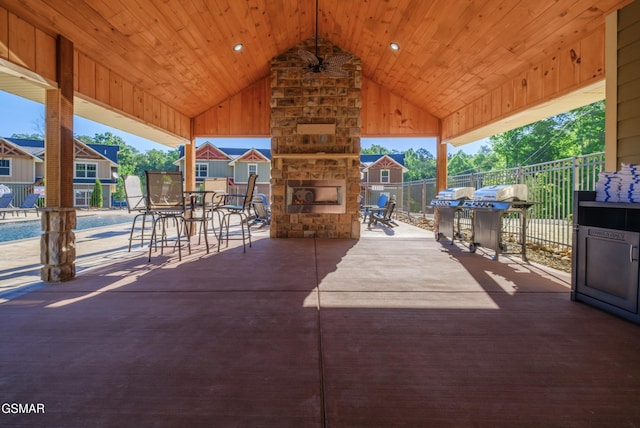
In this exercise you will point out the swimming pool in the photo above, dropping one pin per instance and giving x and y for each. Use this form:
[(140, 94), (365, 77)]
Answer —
[(12, 231)]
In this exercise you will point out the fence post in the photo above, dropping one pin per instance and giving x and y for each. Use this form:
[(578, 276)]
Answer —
[(520, 175), (424, 198), (576, 173)]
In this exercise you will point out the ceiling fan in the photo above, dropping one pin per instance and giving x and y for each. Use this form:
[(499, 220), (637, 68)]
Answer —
[(327, 67)]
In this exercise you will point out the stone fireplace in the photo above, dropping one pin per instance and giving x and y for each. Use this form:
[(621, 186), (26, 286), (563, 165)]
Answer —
[(315, 147), (315, 197)]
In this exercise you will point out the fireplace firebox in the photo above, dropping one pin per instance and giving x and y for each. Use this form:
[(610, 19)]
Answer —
[(315, 197)]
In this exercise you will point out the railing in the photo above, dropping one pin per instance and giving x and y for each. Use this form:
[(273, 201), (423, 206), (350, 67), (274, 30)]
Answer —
[(20, 191), (551, 186)]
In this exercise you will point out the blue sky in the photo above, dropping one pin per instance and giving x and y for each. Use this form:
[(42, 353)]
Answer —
[(22, 116)]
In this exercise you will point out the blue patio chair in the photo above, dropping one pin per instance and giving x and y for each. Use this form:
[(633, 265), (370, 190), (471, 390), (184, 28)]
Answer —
[(384, 217), (370, 210), (30, 203), (5, 203), (6, 199)]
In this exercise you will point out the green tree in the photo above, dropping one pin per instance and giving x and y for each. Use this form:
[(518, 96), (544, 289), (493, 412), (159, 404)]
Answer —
[(460, 163), (96, 195), (486, 160), (155, 160), (36, 136), (420, 163), (376, 150), (579, 131), (588, 129)]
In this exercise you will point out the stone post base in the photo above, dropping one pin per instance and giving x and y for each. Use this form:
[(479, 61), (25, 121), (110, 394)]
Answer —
[(58, 244)]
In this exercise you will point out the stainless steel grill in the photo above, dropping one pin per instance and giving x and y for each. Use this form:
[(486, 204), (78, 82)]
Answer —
[(491, 209), (449, 209)]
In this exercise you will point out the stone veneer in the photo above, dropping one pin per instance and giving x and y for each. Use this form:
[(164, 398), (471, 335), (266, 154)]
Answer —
[(319, 100), (58, 244)]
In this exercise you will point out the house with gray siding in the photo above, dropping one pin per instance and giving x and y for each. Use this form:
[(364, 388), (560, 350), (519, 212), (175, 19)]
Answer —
[(382, 171), (233, 163), (22, 168)]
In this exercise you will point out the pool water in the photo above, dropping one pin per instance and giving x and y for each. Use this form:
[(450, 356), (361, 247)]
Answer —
[(12, 231)]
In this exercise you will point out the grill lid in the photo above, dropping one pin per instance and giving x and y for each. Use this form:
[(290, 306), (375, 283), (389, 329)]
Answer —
[(503, 192), (456, 193)]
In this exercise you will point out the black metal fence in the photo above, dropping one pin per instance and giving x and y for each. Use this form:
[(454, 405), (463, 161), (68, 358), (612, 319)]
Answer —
[(550, 184)]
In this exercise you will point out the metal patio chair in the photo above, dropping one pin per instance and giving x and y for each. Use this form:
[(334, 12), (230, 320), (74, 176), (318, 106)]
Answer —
[(166, 199), (242, 210), (216, 191), (136, 203)]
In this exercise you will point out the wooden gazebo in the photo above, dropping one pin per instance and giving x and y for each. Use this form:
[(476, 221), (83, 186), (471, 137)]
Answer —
[(168, 71)]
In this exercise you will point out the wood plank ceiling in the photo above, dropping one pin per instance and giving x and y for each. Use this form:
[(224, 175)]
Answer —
[(452, 51)]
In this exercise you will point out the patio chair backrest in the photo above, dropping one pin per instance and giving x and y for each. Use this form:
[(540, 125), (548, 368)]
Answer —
[(5, 200), (382, 200), (30, 201), (251, 185), (133, 193), (260, 207), (164, 191), (391, 205)]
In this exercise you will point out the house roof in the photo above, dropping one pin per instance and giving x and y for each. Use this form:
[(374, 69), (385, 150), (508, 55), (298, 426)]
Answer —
[(383, 161), (370, 159), (107, 151), (36, 148), (232, 152)]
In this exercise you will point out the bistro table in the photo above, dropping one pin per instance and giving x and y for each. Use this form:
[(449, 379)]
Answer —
[(196, 200)]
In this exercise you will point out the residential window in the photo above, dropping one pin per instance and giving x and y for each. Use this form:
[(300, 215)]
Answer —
[(82, 197), (5, 167), (253, 168), (202, 170), (86, 170), (384, 176)]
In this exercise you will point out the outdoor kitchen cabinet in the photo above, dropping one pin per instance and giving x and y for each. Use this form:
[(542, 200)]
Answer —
[(605, 256)]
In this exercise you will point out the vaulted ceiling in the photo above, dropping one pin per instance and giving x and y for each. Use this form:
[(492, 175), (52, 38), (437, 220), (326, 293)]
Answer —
[(451, 51)]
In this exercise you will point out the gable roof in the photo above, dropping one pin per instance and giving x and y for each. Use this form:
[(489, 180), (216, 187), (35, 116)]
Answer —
[(232, 153), (31, 149), (36, 148), (107, 151), (251, 155), (383, 161)]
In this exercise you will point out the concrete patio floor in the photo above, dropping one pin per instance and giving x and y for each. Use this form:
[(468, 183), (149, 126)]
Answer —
[(394, 329)]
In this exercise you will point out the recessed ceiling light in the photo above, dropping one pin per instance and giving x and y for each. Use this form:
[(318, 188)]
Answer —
[(394, 46), (238, 47)]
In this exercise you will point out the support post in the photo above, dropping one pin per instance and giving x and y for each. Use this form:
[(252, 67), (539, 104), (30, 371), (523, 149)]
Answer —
[(441, 165), (57, 243), (190, 166)]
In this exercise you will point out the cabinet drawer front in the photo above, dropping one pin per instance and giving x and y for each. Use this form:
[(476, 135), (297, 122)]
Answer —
[(608, 266)]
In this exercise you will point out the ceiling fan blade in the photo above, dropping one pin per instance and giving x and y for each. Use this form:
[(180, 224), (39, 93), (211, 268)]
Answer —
[(338, 60), (310, 58)]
